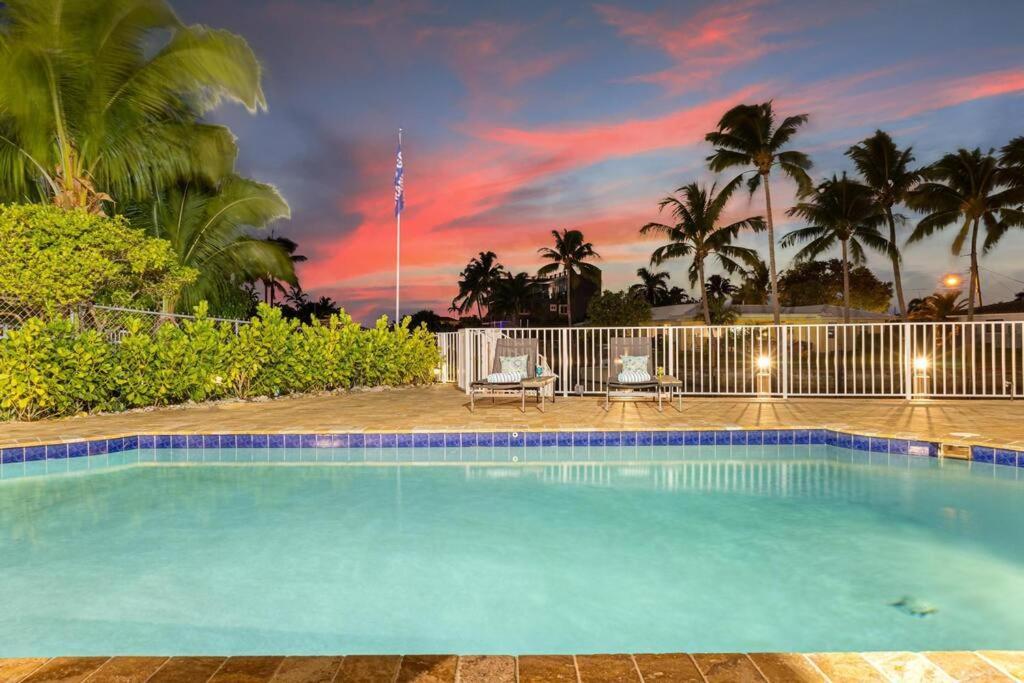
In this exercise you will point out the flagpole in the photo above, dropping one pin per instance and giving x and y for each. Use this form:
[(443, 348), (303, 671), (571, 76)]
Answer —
[(398, 248)]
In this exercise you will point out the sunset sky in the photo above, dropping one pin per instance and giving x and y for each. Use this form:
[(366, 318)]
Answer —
[(527, 116)]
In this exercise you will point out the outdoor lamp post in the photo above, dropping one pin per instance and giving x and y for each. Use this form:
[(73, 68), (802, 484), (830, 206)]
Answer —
[(921, 389), (764, 376)]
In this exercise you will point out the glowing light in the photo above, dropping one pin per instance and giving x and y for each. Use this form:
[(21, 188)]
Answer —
[(764, 363), (952, 280), (921, 363)]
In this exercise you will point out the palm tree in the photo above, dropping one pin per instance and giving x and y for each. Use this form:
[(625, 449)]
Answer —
[(210, 228), (973, 190), (271, 286), (754, 288), (696, 233), (1012, 155), (718, 287), (747, 136), (512, 295), (475, 283), (652, 286), (569, 257), (885, 169), (843, 211), (101, 101), (938, 307)]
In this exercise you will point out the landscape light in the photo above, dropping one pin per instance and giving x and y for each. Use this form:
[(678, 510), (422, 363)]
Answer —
[(921, 364), (764, 362), (952, 280)]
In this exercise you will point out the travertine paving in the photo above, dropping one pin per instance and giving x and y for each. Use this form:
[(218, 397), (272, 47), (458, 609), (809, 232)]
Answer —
[(696, 668), (438, 408)]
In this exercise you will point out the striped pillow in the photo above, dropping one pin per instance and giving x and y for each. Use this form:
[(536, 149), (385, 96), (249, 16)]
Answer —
[(504, 378), (632, 377)]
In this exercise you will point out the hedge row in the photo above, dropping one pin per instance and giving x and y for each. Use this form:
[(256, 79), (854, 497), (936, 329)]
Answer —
[(51, 368)]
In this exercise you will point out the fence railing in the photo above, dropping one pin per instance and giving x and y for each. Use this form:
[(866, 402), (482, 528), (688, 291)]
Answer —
[(111, 321), (448, 343), (956, 359)]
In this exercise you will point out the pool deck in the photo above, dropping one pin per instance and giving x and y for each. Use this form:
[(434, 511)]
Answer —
[(998, 424), (699, 668)]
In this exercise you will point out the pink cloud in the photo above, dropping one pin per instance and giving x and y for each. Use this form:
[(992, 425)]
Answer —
[(706, 44), (492, 59)]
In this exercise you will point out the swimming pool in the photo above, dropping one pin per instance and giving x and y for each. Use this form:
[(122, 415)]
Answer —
[(607, 547)]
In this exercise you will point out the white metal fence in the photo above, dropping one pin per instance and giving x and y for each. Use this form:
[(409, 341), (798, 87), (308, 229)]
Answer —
[(448, 343), (959, 359)]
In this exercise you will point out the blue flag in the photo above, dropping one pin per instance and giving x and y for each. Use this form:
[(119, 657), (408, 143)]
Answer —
[(399, 181)]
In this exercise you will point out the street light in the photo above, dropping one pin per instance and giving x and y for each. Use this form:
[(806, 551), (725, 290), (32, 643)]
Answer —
[(951, 281)]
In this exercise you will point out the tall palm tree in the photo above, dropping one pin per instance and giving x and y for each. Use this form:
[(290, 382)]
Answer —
[(885, 168), (512, 295), (748, 137), (101, 101), (844, 211), (271, 286), (475, 283), (696, 233), (211, 229), (652, 286), (973, 190), (569, 257)]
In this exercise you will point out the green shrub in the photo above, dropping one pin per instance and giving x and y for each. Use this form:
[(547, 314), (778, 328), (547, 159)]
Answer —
[(328, 354), (52, 368), (54, 257), (49, 368)]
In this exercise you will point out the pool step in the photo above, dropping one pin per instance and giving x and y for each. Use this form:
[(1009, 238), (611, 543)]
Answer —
[(955, 450)]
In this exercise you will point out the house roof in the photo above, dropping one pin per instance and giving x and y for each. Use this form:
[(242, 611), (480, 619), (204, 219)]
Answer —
[(665, 313), (1015, 306)]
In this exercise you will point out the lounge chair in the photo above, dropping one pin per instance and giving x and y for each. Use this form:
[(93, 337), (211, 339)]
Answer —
[(503, 383), (641, 380)]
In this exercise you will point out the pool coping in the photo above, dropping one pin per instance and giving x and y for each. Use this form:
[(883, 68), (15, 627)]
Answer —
[(370, 439), (770, 667)]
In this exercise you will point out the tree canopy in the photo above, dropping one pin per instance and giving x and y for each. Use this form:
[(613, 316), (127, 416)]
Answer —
[(54, 257)]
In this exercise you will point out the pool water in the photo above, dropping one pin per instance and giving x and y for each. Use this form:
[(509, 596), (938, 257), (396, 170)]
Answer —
[(795, 548)]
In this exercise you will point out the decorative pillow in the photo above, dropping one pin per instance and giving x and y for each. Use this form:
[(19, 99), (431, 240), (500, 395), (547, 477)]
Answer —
[(515, 364), (504, 378), (631, 377), (634, 364)]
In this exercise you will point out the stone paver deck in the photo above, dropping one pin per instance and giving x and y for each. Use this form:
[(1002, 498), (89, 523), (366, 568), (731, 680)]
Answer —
[(699, 668), (440, 408)]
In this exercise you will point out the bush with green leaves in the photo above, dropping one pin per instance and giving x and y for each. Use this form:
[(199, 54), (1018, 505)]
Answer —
[(50, 368), (56, 258), (54, 368)]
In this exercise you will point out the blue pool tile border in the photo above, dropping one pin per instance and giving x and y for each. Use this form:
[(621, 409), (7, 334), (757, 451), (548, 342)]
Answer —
[(480, 446)]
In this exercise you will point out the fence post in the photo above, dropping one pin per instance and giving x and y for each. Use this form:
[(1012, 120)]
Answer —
[(908, 361), (784, 360), (563, 352)]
